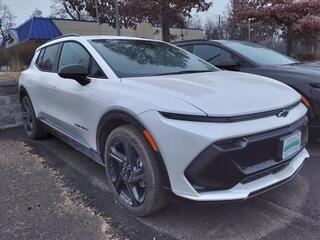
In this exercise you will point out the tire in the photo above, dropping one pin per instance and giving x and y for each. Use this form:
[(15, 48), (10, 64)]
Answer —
[(30, 122), (313, 136), (137, 184)]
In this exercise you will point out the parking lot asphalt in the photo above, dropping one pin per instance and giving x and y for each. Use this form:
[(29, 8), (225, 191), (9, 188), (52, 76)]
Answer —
[(50, 191)]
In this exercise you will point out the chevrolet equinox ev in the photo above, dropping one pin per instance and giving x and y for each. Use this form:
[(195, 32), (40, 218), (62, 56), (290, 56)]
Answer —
[(159, 118)]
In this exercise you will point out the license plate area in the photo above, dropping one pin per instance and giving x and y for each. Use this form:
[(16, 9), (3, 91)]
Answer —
[(290, 145)]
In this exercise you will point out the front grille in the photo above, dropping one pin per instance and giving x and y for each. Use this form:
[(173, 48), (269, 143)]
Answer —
[(276, 132), (263, 150), (226, 163), (265, 173)]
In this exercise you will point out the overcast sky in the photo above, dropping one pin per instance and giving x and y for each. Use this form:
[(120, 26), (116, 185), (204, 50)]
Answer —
[(24, 8)]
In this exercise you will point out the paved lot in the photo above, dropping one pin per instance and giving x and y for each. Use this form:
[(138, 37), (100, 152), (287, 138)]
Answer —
[(50, 191)]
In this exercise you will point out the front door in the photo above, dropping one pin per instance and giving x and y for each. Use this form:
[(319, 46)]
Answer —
[(72, 100)]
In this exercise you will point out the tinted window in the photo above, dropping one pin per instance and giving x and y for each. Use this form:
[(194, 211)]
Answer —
[(186, 47), (50, 58), (40, 57), (137, 58), (211, 54), (260, 55), (74, 53)]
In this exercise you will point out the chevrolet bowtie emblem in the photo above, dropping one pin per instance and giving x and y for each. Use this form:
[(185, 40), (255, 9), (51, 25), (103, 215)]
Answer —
[(283, 113)]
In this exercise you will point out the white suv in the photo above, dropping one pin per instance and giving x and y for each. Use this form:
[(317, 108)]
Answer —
[(159, 118)]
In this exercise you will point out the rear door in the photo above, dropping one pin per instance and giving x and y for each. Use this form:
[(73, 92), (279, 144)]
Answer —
[(47, 64)]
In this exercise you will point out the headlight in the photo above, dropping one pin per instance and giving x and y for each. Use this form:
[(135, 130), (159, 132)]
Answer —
[(305, 101)]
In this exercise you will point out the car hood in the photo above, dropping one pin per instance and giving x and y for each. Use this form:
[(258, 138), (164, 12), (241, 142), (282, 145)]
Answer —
[(292, 74), (221, 93)]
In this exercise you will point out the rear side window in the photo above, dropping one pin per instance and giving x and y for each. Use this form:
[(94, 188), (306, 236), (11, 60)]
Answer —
[(186, 47), (49, 61)]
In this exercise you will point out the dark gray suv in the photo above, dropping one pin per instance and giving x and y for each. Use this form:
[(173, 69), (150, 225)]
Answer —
[(256, 59)]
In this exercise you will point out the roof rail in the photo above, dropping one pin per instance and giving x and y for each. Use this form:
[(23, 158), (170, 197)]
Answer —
[(64, 36), (191, 40)]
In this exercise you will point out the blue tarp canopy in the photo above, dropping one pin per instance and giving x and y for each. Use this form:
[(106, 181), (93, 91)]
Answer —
[(36, 28)]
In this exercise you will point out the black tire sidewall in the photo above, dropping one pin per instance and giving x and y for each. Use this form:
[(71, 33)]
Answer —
[(153, 200), (32, 134)]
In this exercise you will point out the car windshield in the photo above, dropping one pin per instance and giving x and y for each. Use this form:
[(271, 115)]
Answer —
[(259, 54), (138, 58)]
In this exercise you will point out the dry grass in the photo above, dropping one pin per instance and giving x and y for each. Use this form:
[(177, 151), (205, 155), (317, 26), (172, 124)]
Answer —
[(9, 76)]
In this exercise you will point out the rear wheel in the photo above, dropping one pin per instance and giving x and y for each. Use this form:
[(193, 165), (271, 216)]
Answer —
[(133, 172), (30, 122)]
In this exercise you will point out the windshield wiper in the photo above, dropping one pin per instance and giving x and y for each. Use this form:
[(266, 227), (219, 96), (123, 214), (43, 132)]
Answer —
[(292, 64), (210, 59), (185, 72)]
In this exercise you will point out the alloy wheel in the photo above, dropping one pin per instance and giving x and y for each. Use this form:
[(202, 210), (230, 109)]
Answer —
[(27, 116), (126, 171)]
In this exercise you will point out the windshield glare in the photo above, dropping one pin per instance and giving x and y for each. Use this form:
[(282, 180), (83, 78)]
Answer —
[(259, 54), (138, 58)]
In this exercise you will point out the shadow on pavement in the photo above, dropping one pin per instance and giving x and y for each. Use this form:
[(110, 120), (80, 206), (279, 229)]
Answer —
[(291, 211)]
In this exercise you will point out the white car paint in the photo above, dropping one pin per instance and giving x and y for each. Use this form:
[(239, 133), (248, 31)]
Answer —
[(238, 93), (62, 103)]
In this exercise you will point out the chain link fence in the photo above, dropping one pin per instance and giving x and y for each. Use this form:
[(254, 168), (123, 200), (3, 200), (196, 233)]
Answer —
[(16, 55), (18, 44)]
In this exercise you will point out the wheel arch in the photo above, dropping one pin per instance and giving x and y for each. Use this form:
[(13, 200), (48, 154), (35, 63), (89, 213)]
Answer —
[(23, 92), (116, 118), (311, 110)]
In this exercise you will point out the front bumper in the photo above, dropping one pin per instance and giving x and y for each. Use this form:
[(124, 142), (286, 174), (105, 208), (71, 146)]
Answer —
[(246, 190), (226, 163), (181, 142)]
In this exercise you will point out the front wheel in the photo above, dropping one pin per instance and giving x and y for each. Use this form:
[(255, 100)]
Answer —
[(133, 172)]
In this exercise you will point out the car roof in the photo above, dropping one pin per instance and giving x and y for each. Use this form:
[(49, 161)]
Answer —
[(203, 40), (70, 37)]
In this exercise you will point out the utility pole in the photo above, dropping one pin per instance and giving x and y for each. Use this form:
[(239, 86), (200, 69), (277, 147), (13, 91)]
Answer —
[(117, 17), (161, 16), (98, 18), (161, 25), (220, 27), (249, 29)]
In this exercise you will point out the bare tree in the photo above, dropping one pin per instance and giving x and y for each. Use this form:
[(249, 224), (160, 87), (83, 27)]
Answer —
[(194, 23), (73, 9), (6, 19), (165, 13), (215, 30), (263, 19)]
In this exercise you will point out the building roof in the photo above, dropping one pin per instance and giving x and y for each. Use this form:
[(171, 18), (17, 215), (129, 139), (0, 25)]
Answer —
[(36, 28)]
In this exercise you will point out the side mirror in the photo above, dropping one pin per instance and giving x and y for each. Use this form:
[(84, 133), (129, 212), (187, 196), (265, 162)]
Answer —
[(76, 72), (229, 64)]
